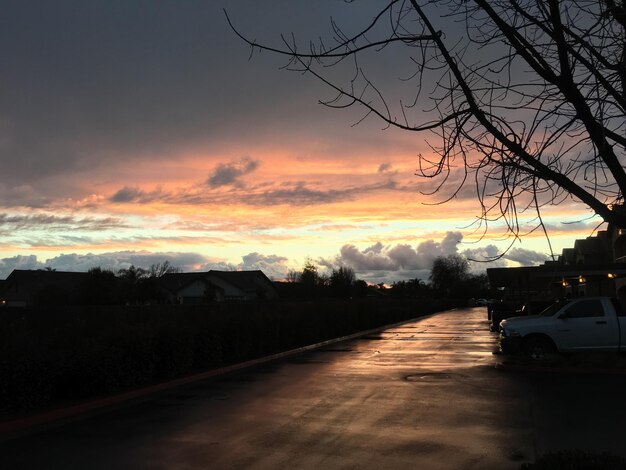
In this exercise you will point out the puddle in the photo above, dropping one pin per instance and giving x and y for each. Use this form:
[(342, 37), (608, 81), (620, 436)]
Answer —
[(428, 377)]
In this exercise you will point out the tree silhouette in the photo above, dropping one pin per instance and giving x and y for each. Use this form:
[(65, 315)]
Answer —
[(309, 279), (99, 287), (132, 282), (341, 281), (448, 272), (526, 98), (157, 270), (293, 276), (412, 288)]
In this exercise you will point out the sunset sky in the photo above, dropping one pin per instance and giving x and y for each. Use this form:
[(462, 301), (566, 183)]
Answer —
[(138, 131)]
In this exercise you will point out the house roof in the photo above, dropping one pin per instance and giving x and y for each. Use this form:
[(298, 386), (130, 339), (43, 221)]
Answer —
[(24, 283), (176, 281), (28, 281), (591, 246), (246, 281), (40, 276)]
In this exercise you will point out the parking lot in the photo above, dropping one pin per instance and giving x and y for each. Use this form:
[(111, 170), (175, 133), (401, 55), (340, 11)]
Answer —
[(425, 394)]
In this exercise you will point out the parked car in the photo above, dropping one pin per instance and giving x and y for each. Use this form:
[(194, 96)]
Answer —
[(532, 307), (479, 302), (583, 324)]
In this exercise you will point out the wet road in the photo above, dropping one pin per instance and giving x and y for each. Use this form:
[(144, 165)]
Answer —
[(423, 395)]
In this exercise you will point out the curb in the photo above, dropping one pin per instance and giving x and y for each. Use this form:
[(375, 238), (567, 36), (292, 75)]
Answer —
[(13, 427)]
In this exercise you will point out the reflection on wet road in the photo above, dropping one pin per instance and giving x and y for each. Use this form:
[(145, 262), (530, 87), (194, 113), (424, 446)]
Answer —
[(422, 395)]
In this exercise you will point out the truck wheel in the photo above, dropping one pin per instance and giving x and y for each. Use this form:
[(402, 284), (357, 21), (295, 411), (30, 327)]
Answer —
[(537, 348)]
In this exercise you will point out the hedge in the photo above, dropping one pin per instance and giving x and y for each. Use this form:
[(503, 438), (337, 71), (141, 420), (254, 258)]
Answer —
[(58, 354)]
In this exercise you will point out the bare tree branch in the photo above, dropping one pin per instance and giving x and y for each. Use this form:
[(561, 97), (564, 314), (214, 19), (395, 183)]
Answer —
[(526, 98)]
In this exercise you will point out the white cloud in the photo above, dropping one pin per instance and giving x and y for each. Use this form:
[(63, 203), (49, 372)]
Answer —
[(273, 266), (526, 257), (375, 263), (18, 262), (519, 256), (380, 257), (380, 262)]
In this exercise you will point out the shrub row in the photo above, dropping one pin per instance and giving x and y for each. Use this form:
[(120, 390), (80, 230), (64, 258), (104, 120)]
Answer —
[(58, 354)]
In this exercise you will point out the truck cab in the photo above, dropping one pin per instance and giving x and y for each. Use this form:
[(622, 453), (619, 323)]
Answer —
[(583, 324)]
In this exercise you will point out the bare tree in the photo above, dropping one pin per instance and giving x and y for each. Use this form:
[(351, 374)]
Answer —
[(341, 281), (526, 98), (293, 276), (158, 270), (449, 271)]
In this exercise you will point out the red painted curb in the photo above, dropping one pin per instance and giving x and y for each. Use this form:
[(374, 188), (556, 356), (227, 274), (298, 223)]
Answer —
[(25, 423)]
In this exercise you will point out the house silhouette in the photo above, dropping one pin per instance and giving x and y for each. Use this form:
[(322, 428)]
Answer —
[(25, 288), (201, 287)]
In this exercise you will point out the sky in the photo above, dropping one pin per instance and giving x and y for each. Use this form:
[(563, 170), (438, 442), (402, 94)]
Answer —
[(138, 131)]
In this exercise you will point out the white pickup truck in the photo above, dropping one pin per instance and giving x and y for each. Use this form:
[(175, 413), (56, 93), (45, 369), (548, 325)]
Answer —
[(582, 324)]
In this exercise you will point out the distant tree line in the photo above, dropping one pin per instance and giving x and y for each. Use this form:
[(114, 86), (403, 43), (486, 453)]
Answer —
[(450, 277), (340, 283), (128, 286), (101, 286)]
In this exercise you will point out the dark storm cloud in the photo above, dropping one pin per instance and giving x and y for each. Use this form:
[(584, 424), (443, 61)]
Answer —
[(229, 173), (59, 241), (300, 194), (128, 194), (86, 79), (50, 222), (88, 85), (291, 193), (20, 195), (384, 168)]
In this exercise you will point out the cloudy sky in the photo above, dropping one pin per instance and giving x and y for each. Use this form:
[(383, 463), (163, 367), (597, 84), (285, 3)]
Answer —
[(138, 131)]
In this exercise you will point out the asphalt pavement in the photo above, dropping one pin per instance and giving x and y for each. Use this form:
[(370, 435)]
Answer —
[(425, 394)]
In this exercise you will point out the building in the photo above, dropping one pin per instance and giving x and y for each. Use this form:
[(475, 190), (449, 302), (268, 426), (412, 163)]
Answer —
[(25, 288), (593, 266), (32, 287), (197, 288)]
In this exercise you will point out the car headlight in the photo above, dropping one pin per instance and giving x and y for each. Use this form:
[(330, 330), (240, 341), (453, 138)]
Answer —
[(509, 332)]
